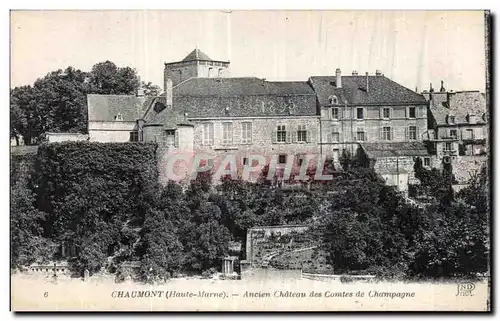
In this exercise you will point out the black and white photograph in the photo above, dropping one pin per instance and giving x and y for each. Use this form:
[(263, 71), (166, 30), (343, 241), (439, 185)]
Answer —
[(250, 160)]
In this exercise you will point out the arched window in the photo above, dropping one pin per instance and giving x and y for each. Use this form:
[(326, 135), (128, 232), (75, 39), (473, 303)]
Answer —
[(333, 100)]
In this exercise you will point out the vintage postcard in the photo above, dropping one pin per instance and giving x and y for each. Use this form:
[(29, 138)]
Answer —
[(233, 160)]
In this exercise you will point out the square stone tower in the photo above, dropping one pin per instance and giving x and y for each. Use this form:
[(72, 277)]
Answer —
[(196, 64)]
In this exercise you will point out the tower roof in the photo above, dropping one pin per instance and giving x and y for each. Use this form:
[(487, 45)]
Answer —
[(197, 54)]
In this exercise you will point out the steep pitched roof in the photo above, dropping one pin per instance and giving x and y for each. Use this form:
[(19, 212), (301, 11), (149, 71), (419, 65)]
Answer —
[(197, 54), (459, 104), (238, 97), (376, 150), (244, 86), (380, 91), (163, 115), (107, 107)]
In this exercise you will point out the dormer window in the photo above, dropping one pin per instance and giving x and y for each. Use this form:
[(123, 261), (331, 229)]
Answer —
[(451, 120), (158, 107), (333, 100), (119, 117), (471, 118)]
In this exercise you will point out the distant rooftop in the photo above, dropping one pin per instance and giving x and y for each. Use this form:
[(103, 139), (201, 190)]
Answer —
[(197, 54)]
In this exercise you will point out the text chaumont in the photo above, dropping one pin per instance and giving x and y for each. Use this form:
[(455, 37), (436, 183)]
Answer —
[(167, 294)]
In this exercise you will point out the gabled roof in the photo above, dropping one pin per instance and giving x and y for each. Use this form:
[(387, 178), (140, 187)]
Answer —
[(107, 107), (238, 97), (197, 54), (380, 91), (376, 150), (459, 104)]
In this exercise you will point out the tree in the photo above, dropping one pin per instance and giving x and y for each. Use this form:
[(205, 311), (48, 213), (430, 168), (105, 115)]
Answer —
[(150, 89), (57, 102), (107, 79), (25, 120), (350, 160), (359, 226), (455, 244), (26, 232), (164, 251), (418, 167)]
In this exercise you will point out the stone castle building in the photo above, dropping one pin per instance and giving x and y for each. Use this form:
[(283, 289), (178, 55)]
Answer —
[(202, 109), (458, 130)]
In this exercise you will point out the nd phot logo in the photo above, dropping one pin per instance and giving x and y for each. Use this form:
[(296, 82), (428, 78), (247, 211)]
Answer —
[(465, 289)]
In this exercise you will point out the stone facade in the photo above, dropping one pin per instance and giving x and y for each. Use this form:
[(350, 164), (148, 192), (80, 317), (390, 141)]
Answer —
[(341, 128), (205, 111), (264, 131), (459, 121)]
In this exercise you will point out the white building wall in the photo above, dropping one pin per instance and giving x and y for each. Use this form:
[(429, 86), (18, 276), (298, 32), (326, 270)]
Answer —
[(109, 132)]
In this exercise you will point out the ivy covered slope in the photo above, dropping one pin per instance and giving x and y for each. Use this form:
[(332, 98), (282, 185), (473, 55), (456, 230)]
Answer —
[(91, 194), (26, 233)]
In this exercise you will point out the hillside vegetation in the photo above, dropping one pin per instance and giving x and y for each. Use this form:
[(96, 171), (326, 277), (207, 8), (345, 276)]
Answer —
[(104, 200)]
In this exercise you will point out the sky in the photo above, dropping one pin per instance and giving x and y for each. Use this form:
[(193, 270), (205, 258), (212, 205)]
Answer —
[(413, 48)]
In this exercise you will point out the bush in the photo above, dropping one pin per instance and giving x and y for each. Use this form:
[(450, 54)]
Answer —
[(91, 191), (207, 274), (27, 242)]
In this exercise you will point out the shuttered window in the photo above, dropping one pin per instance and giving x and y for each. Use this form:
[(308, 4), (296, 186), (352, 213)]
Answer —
[(335, 113), (386, 133), (412, 132), (360, 135), (301, 133), (412, 112), (386, 113), (246, 133), (227, 133), (360, 113), (208, 134), (170, 137)]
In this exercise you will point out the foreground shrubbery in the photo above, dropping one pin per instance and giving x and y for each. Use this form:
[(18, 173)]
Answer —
[(371, 228), (104, 200)]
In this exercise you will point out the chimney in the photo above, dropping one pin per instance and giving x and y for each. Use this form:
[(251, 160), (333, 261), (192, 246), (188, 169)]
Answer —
[(378, 72), (354, 73), (338, 80), (442, 89), (367, 85), (168, 92), (140, 89)]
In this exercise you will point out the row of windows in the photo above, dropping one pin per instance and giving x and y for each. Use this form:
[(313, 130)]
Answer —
[(453, 134), (386, 133), (301, 135), (448, 147), (282, 134), (385, 113), (227, 133)]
